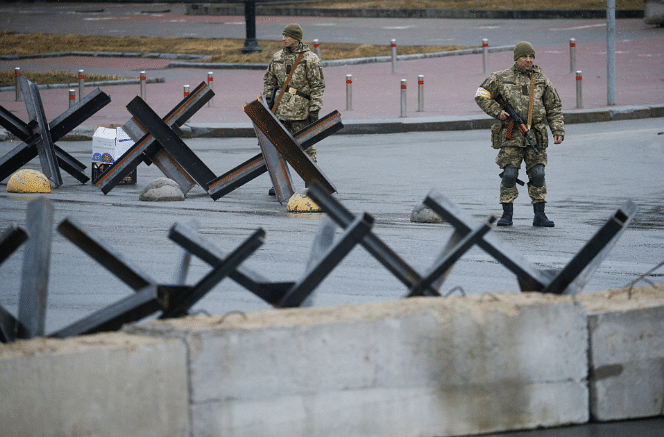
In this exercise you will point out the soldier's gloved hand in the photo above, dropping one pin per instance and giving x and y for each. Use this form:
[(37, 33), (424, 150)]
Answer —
[(313, 117)]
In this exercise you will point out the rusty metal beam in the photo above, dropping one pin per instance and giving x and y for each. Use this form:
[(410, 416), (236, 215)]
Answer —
[(285, 144), (256, 166), (147, 149), (170, 141)]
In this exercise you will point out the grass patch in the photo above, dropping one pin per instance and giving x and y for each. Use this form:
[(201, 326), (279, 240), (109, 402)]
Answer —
[(7, 78), (216, 50)]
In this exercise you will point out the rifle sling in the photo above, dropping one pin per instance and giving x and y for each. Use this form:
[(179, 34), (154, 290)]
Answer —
[(286, 82), (530, 102)]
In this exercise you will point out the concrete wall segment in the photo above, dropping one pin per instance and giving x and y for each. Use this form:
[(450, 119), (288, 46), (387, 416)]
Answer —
[(627, 353), (417, 366), (105, 385)]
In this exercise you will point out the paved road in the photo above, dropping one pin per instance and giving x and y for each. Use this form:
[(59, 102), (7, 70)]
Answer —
[(590, 176), (170, 19), (449, 83)]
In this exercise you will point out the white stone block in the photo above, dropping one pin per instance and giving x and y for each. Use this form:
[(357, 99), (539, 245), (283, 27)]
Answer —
[(414, 367), (100, 385), (626, 353)]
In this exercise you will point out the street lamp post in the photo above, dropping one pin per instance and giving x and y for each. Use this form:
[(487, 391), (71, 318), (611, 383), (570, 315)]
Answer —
[(250, 42)]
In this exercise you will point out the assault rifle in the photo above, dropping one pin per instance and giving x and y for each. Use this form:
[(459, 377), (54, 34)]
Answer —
[(271, 98), (516, 121)]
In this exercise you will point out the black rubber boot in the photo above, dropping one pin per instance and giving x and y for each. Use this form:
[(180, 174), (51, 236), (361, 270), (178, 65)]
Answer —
[(271, 192), (541, 218), (506, 219)]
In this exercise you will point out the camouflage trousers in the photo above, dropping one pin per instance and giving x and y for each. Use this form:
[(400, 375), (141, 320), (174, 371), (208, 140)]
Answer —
[(295, 125), (513, 156)]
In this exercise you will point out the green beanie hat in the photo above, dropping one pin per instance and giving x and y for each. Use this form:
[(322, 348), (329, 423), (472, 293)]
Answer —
[(522, 49), (293, 31)]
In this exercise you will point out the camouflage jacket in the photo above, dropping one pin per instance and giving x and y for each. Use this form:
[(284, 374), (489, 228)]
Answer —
[(514, 85), (308, 79)]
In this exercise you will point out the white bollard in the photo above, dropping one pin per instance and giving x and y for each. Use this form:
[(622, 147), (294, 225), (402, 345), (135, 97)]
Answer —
[(81, 84), (420, 93), (393, 45), (186, 90), (572, 55), (579, 90), (17, 75), (485, 55), (72, 98), (403, 97), (210, 82), (349, 92), (143, 82), (317, 49)]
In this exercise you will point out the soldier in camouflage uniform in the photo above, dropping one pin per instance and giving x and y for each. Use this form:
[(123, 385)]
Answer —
[(514, 85), (303, 99)]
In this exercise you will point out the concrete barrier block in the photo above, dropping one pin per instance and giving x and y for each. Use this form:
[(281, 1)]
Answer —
[(99, 385), (414, 367), (626, 353)]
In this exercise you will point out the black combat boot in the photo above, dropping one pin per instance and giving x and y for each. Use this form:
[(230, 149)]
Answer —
[(540, 218), (506, 219)]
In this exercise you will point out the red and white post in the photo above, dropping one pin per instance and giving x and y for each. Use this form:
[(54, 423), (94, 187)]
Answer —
[(317, 49), (17, 76), (81, 84), (579, 90), (72, 98), (485, 55), (210, 82), (393, 46), (572, 55), (420, 93), (403, 97), (349, 92), (143, 82)]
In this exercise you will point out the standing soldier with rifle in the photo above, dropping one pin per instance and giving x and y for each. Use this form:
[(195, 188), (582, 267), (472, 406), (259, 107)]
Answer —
[(293, 84), (524, 99)]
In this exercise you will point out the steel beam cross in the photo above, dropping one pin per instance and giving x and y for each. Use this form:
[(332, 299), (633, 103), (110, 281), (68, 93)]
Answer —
[(149, 150), (278, 147), (173, 300), (570, 279), (260, 163), (38, 138)]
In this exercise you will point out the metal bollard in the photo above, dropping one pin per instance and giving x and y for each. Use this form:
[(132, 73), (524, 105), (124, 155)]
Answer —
[(393, 45), (579, 93), (420, 93), (72, 98), (186, 90), (572, 55), (349, 92), (81, 84), (17, 75), (210, 83), (143, 81), (403, 97), (485, 55), (317, 49)]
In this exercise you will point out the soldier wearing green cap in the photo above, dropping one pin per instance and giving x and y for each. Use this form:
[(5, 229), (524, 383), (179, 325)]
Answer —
[(536, 101), (303, 99)]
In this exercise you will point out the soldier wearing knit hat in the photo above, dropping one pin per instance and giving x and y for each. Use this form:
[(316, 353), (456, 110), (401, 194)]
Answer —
[(302, 99), (533, 97), (293, 31), (524, 48)]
